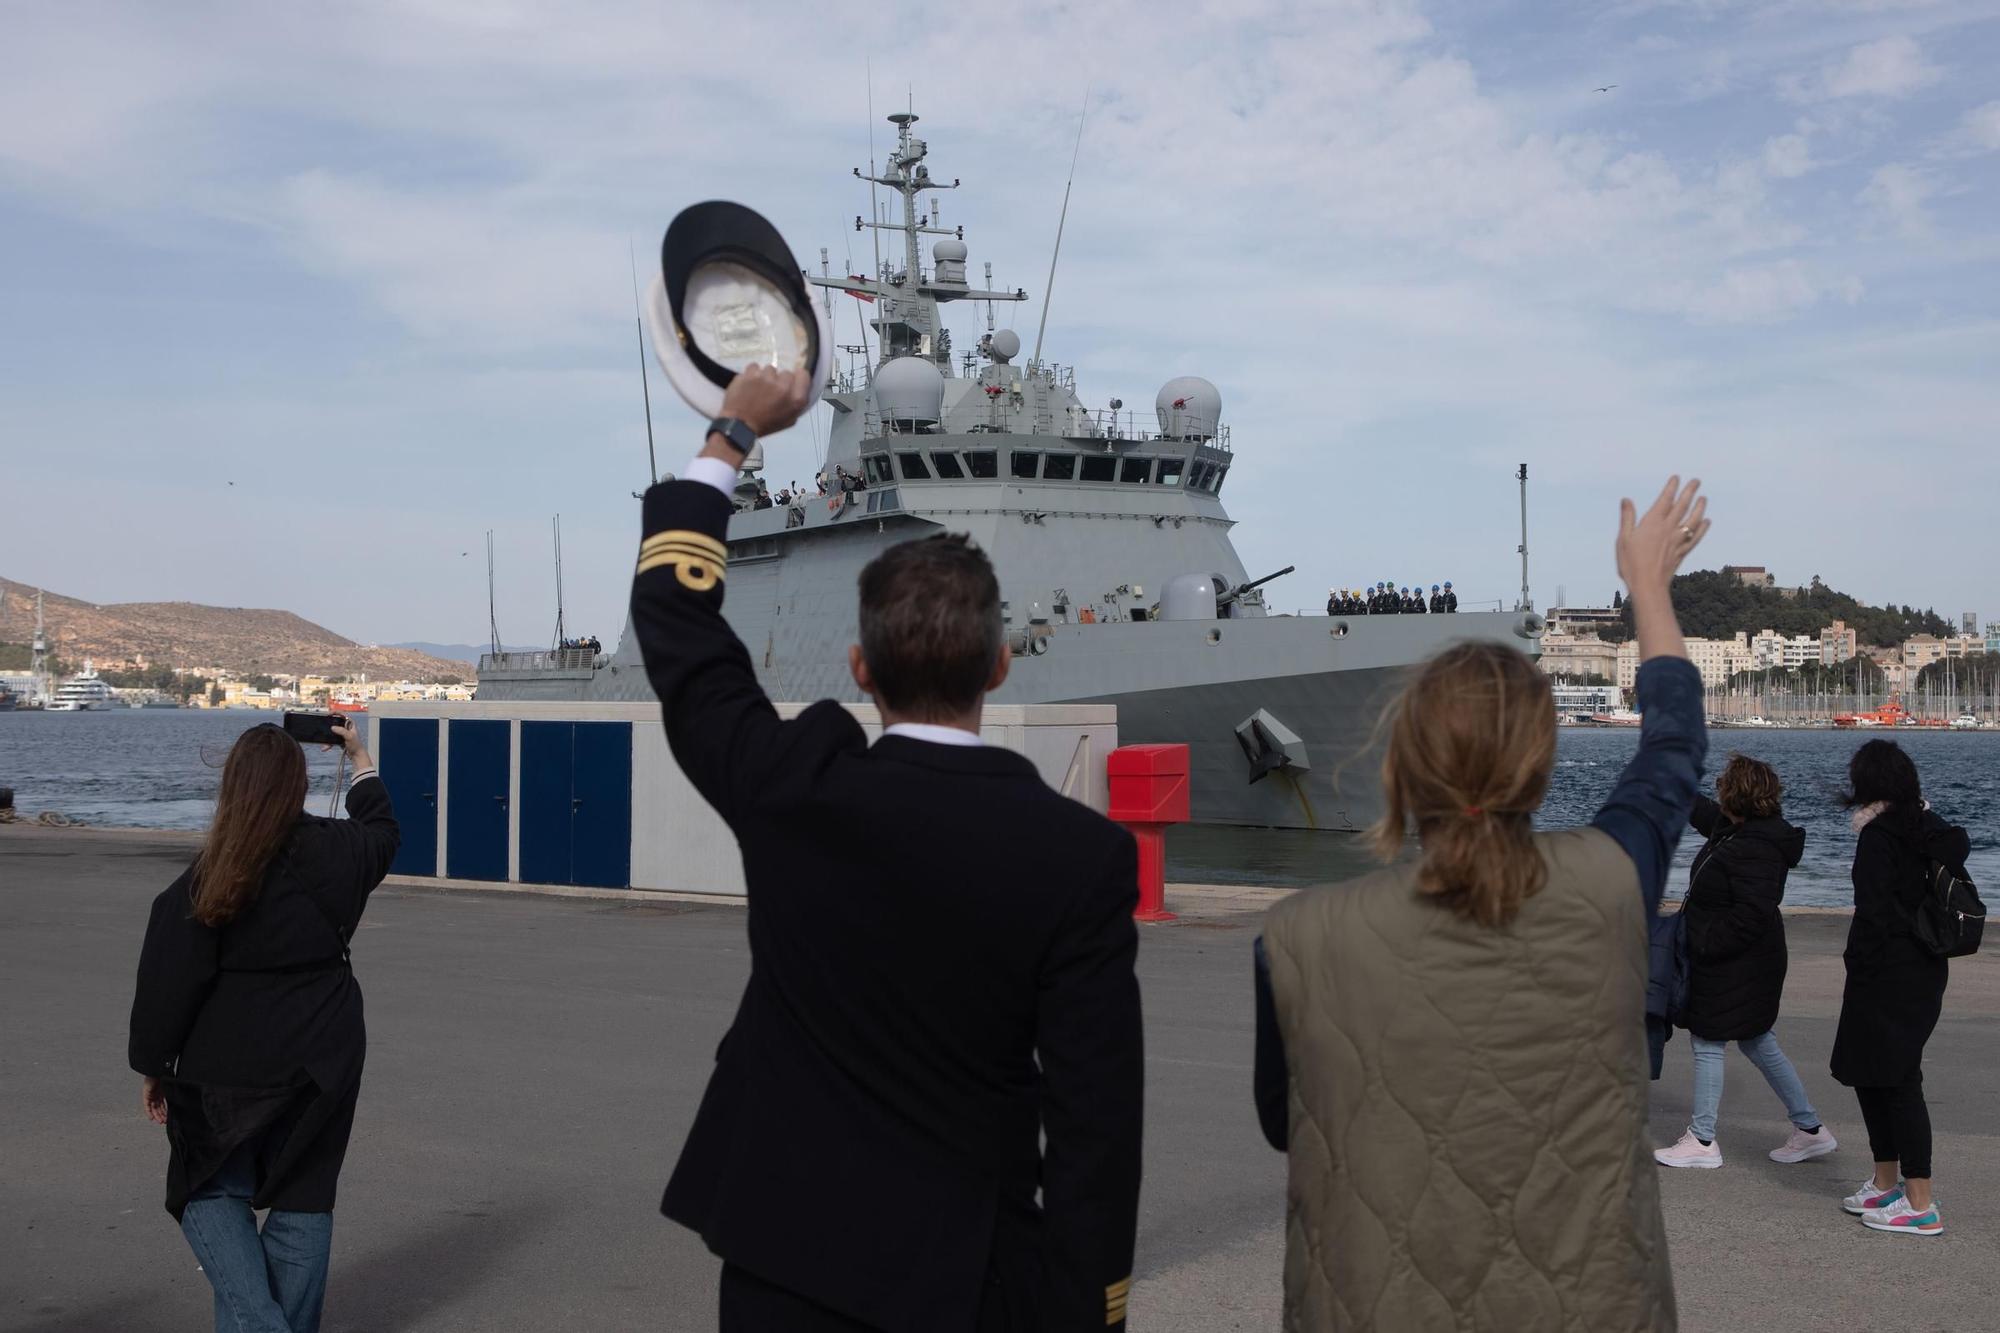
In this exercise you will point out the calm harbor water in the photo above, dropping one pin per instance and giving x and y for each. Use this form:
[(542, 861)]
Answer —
[(158, 769)]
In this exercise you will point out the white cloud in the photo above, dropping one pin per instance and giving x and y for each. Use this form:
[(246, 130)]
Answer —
[(1979, 131), (1787, 156), (1890, 67), (1898, 194)]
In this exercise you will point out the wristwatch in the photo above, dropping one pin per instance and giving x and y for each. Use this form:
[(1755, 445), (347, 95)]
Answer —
[(741, 438)]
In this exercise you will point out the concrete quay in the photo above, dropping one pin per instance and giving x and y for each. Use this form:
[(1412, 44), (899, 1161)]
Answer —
[(535, 1060)]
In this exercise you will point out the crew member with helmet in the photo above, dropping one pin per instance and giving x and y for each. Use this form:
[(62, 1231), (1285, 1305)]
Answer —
[(1450, 597), (1437, 599)]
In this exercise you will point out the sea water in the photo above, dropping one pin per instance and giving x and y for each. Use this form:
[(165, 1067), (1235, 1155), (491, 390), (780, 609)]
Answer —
[(158, 768)]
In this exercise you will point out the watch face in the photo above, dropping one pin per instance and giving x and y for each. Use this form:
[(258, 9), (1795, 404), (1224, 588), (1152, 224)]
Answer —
[(738, 319)]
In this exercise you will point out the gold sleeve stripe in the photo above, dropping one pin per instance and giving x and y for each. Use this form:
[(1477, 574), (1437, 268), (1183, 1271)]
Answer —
[(699, 541), (1116, 1298), (654, 554), (1119, 1288), (695, 573)]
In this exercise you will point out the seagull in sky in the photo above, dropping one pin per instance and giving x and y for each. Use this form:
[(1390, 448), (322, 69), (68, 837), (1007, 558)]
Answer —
[(1606, 88)]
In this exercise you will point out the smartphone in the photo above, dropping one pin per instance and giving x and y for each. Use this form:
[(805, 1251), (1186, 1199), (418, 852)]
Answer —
[(312, 728)]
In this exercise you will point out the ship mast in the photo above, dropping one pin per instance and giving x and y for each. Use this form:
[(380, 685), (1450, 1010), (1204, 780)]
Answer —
[(906, 305)]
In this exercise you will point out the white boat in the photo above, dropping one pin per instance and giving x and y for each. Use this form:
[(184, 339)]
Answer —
[(84, 692), (1965, 722), (1756, 721)]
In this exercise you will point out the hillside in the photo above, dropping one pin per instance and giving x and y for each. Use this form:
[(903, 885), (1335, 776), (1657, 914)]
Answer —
[(244, 640), (1712, 605)]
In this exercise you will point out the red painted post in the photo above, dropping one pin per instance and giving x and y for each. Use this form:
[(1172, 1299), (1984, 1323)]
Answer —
[(1149, 790)]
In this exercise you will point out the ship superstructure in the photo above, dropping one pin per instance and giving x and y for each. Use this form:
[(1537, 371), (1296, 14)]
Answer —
[(1107, 529)]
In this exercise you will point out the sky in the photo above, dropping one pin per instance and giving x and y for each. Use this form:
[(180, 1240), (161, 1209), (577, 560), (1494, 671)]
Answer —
[(297, 303)]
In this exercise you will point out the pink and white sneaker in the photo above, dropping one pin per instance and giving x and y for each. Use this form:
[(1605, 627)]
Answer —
[(1869, 1197), (1803, 1147), (1690, 1151), (1899, 1217)]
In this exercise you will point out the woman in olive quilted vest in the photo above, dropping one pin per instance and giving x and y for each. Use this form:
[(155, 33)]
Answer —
[(1452, 1050)]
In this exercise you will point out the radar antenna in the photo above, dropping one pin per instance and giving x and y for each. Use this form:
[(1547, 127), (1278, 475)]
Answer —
[(1049, 291), (1527, 603)]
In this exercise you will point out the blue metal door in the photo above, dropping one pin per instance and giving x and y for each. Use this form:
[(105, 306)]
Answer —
[(547, 758), (409, 768), (476, 813), (601, 805)]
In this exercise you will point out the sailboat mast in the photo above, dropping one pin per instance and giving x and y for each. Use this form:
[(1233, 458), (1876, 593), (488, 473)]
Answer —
[(556, 522), (492, 614)]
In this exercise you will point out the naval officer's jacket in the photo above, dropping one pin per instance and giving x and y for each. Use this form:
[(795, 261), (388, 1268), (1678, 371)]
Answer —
[(942, 960)]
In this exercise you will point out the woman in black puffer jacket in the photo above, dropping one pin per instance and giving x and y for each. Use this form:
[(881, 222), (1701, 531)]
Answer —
[(1737, 959)]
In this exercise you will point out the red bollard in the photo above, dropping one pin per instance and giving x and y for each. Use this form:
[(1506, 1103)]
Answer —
[(1149, 790)]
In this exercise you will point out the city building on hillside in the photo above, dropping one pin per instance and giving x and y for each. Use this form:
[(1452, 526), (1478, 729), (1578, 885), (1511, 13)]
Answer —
[(1801, 650), (1968, 623), (1578, 657), (1583, 619), (1751, 576), (1992, 637), (1628, 665), (1719, 659), (1837, 644), (1920, 650)]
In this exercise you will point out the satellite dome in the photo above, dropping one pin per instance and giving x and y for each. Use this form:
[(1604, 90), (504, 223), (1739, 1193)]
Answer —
[(909, 391), (1004, 346), (1190, 408), (949, 250)]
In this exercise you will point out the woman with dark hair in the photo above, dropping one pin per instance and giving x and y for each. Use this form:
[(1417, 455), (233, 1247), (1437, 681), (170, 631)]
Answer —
[(1452, 1050), (1895, 987), (247, 1029), (1737, 958)]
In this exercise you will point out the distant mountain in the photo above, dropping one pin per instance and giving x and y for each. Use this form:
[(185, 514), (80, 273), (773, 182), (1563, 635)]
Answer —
[(1714, 605), (184, 634), (463, 652)]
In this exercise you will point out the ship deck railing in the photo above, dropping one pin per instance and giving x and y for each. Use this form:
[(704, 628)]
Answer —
[(579, 661)]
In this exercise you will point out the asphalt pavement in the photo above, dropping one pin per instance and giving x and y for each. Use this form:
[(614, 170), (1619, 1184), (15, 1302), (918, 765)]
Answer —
[(534, 1062)]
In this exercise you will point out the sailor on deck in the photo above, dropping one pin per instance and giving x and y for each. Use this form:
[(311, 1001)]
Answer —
[(926, 1114)]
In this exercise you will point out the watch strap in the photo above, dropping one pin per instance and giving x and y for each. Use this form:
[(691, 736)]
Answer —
[(733, 429)]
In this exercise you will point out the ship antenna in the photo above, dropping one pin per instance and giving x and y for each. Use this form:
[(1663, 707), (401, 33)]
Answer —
[(645, 385), (1527, 602), (492, 616), (557, 521), (874, 210), (1049, 290)]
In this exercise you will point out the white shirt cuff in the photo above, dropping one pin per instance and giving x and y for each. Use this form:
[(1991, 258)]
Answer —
[(361, 775), (714, 472)]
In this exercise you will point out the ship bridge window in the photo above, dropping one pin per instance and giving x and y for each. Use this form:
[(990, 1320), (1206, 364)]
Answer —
[(982, 462), (1096, 467), (1170, 472), (1136, 469), (913, 467), (1198, 479), (877, 466), (1220, 473), (1025, 464), (1059, 467), (947, 466), (882, 502)]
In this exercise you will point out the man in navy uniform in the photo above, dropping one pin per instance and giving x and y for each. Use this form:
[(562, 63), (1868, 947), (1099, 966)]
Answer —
[(941, 957)]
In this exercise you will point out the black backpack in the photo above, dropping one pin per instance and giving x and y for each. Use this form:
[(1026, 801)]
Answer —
[(1950, 917)]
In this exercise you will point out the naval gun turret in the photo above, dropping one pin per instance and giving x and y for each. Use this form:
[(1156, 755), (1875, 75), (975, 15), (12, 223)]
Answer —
[(1236, 594)]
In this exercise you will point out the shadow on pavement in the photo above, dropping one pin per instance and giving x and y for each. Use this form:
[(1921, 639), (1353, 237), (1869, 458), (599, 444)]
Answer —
[(409, 1280)]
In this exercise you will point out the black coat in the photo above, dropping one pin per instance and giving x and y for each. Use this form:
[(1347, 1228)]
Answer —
[(1736, 938), (255, 1027), (1451, 601), (929, 997), (1895, 987)]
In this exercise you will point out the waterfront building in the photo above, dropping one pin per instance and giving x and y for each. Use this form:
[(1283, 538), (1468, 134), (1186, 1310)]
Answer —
[(1578, 657), (1920, 650), (1719, 659), (1581, 620), (1837, 644), (1992, 637), (1575, 700)]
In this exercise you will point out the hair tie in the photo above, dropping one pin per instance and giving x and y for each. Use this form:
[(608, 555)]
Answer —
[(1474, 811)]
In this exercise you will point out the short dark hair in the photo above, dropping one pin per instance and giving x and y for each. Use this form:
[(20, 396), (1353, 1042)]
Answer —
[(1749, 789), (930, 625), (1881, 771)]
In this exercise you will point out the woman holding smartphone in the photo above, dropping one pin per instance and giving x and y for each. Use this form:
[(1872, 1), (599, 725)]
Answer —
[(247, 1025)]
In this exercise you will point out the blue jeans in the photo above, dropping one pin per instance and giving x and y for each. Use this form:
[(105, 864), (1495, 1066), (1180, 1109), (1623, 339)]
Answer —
[(268, 1282), (1766, 1055)]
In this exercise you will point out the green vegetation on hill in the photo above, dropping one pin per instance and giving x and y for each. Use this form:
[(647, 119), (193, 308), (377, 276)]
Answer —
[(1715, 606)]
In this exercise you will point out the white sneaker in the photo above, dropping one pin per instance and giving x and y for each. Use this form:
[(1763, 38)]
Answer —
[(1901, 1218), (1803, 1147), (1868, 1197), (1690, 1151)]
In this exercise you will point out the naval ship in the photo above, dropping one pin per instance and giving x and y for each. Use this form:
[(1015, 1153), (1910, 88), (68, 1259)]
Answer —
[(1108, 532)]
